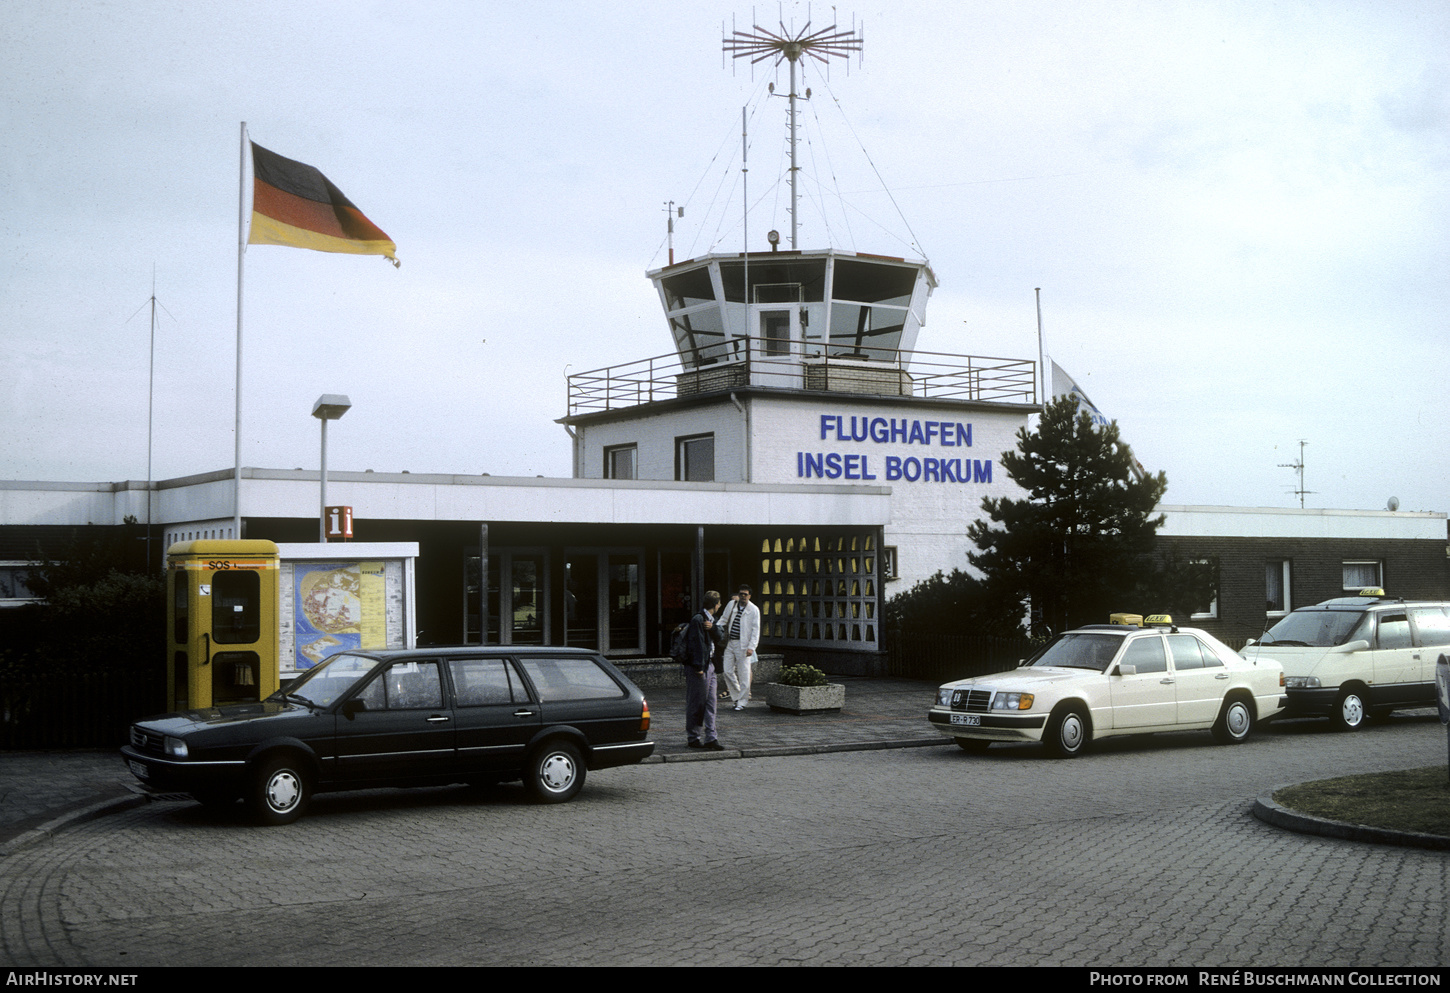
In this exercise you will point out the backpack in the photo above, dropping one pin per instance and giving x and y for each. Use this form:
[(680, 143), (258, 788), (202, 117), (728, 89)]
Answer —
[(680, 643)]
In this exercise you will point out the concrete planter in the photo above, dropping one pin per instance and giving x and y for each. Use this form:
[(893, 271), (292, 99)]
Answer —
[(805, 699)]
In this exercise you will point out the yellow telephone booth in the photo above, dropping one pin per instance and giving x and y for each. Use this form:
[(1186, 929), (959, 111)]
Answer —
[(222, 622)]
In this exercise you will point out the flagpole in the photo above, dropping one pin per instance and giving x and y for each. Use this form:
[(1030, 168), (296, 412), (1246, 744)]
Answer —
[(1042, 352), (241, 255)]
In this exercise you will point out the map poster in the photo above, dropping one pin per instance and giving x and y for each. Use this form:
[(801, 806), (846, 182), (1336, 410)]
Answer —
[(338, 606)]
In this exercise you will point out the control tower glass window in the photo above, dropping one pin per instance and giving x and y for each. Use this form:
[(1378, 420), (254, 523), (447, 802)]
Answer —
[(805, 277), (695, 459), (869, 304)]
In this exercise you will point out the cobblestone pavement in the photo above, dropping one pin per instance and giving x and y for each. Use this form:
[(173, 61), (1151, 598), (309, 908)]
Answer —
[(1141, 853), (37, 788)]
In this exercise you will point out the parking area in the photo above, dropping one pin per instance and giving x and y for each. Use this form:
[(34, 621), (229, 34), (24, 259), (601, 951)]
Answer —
[(1140, 853)]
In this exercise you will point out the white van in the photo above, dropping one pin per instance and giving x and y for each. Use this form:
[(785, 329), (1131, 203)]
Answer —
[(1358, 656)]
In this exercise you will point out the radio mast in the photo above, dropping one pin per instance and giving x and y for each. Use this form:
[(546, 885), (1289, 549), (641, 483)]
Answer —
[(759, 44)]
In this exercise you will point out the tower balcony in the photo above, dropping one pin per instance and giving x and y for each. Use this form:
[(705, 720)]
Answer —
[(777, 363)]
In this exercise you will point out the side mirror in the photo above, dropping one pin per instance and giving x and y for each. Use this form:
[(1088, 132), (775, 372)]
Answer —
[(1127, 669), (1357, 645), (353, 707)]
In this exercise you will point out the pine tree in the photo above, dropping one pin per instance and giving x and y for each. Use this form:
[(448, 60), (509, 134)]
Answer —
[(1080, 546)]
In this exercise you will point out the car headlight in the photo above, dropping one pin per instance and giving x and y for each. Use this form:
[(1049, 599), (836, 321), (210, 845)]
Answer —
[(176, 748), (1301, 682), (944, 697), (1012, 701)]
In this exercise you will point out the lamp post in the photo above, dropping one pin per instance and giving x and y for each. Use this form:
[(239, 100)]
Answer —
[(329, 407)]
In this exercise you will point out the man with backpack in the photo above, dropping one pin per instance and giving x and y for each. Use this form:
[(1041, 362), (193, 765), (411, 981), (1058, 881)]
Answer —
[(698, 647)]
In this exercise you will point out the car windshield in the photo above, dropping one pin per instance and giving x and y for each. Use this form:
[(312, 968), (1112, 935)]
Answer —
[(1079, 651), (329, 680), (1313, 628)]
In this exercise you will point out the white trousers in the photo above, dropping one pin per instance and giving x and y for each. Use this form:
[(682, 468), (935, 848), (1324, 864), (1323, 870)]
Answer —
[(737, 665)]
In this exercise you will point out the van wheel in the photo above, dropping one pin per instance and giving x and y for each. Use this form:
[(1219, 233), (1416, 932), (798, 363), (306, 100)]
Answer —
[(1349, 711), (1068, 733), (280, 791), (1235, 723)]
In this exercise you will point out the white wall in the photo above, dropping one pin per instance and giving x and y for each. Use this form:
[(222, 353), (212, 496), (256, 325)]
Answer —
[(1292, 522), (655, 435), (929, 517)]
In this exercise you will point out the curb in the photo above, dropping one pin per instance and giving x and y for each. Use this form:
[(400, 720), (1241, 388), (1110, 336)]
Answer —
[(780, 750), (1270, 812), (93, 809), (79, 814)]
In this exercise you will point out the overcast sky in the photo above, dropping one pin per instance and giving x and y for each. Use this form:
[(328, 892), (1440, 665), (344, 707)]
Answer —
[(1237, 213)]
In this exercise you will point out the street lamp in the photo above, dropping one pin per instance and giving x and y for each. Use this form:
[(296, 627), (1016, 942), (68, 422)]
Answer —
[(329, 407)]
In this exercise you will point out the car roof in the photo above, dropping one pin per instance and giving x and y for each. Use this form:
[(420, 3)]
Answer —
[(1126, 629), (461, 650), (1368, 602)]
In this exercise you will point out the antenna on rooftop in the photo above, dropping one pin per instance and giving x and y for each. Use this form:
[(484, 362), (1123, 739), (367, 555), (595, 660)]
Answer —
[(150, 402), (759, 44), (1301, 492)]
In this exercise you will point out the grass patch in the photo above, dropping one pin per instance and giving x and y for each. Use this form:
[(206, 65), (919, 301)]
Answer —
[(1413, 800)]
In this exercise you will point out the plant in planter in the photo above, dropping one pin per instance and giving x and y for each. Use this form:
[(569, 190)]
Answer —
[(804, 689)]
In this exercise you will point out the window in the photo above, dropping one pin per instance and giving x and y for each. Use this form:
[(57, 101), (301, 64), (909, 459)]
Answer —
[(888, 562), (1433, 626), (619, 462), (1211, 612), (570, 679), (775, 329), (236, 607), (15, 583), (1394, 631), (819, 588), (603, 601), (1276, 586), (1360, 573), (695, 458), (479, 682), (1186, 651), (405, 686), (1147, 655)]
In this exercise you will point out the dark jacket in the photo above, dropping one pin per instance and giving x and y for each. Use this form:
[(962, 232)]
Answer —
[(700, 641)]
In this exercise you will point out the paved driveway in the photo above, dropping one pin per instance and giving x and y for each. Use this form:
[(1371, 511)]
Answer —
[(1142, 853)]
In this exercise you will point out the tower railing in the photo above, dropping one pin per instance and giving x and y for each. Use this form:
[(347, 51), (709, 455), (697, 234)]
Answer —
[(726, 364)]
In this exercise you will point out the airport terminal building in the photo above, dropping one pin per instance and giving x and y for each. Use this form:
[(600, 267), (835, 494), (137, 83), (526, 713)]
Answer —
[(794, 439)]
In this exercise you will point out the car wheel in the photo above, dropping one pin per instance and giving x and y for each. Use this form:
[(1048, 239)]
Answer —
[(555, 773), (1349, 711), (1235, 723), (280, 791), (1068, 733), (973, 746)]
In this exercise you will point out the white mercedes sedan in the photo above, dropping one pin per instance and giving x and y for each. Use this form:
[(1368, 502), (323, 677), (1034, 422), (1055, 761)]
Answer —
[(1102, 680)]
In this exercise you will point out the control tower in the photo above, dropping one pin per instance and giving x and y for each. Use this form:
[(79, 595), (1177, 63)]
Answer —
[(796, 371)]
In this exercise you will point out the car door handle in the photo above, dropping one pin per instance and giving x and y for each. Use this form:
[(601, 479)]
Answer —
[(437, 719), (1166, 682), (524, 713), (1221, 675)]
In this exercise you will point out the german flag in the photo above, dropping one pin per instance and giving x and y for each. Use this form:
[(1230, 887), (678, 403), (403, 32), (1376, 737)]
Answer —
[(294, 204)]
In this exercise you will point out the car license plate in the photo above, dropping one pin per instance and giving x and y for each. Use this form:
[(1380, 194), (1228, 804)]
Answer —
[(969, 720), (139, 769)]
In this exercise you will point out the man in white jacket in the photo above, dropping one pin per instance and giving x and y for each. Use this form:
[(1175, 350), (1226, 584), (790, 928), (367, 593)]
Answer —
[(741, 624)]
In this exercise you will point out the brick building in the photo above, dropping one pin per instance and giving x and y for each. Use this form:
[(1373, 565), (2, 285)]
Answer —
[(1270, 561)]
